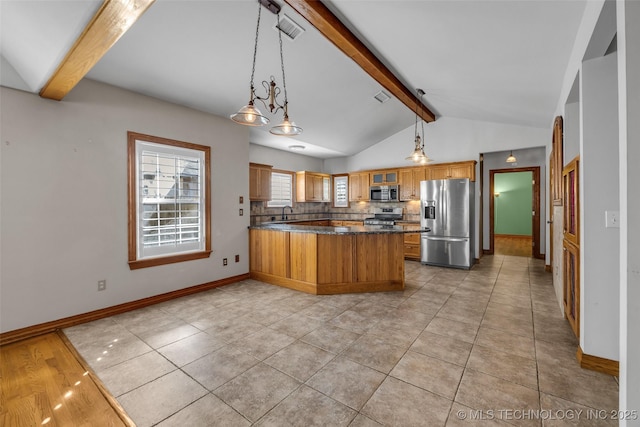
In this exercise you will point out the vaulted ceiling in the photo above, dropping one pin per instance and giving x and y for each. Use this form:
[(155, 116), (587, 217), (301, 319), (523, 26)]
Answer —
[(499, 61)]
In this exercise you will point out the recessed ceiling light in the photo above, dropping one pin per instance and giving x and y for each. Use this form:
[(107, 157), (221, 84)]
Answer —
[(381, 97), (296, 147)]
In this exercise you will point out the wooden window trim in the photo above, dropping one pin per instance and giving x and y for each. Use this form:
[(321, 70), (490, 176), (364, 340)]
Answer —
[(556, 162), (132, 202)]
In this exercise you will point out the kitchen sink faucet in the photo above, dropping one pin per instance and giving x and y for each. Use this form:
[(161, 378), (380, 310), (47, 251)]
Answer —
[(283, 215)]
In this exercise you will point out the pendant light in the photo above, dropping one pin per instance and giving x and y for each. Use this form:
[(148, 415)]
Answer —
[(511, 158), (249, 115), (418, 156)]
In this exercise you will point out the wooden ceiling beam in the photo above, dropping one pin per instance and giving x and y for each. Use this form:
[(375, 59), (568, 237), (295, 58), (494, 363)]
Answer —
[(110, 22), (336, 32)]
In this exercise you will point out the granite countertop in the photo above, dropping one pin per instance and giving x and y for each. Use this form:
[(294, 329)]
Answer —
[(347, 229)]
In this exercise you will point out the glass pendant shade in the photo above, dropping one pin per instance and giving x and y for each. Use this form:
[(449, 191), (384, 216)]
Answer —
[(511, 158), (286, 128), (424, 159), (249, 115), (418, 155)]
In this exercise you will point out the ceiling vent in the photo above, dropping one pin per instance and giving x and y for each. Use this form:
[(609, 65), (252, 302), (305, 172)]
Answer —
[(289, 27), (381, 97)]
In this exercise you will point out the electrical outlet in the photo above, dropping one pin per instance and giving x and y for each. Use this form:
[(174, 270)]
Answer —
[(237, 258), (241, 212), (224, 261), (241, 200), (102, 285)]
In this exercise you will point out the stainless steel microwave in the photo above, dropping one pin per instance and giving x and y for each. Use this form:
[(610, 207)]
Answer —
[(384, 193)]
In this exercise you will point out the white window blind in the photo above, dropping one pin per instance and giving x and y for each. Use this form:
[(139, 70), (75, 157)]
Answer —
[(170, 199), (340, 191), (281, 190)]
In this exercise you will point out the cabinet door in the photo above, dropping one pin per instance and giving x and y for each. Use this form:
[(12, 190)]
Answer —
[(439, 172), (314, 188), (326, 189), (377, 178), (359, 187), (412, 191), (462, 171), (259, 183), (391, 177)]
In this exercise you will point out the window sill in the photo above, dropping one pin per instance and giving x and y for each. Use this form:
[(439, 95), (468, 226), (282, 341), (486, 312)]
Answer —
[(153, 262)]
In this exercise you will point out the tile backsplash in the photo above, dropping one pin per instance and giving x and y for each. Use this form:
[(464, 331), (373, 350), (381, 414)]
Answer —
[(356, 211)]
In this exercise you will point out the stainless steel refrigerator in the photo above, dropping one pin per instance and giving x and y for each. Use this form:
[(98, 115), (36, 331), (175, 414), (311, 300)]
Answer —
[(447, 209)]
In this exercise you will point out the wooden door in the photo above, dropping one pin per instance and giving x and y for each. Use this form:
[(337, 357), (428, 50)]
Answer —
[(571, 244)]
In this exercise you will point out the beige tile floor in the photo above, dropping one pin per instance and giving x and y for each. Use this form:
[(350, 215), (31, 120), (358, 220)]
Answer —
[(482, 347)]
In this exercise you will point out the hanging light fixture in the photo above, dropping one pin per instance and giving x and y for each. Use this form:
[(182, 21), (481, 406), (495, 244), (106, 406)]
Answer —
[(249, 115), (511, 158), (418, 155)]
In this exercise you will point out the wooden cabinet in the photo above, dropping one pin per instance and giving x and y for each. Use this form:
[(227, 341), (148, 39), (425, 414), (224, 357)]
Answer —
[(326, 264), (259, 182), (352, 222), (312, 187), (453, 170), (384, 177), (359, 187), (412, 246), (410, 183)]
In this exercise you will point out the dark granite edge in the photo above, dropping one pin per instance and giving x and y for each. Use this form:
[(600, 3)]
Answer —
[(347, 229)]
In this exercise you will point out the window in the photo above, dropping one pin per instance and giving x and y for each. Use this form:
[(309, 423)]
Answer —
[(340, 191), (169, 202), (281, 189)]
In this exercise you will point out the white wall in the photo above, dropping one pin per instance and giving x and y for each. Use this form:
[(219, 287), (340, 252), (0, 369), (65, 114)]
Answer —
[(285, 160), (63, 182), (628, 26), (447, 139), (599, 188), (571, 131)]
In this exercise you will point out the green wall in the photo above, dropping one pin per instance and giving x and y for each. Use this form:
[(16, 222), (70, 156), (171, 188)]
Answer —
[(512, 209)]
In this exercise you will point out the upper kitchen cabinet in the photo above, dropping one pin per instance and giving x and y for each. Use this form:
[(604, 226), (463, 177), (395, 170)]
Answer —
[(259, 182), (359, 187), (410, 183), (313, 187), (453, 170), (384, 177)]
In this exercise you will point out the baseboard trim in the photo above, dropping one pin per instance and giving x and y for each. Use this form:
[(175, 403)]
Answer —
[(595, 363), (54, 325), (548, 268), (487, 252)]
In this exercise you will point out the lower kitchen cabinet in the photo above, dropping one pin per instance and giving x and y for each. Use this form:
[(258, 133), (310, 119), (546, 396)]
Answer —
[(412, 246)]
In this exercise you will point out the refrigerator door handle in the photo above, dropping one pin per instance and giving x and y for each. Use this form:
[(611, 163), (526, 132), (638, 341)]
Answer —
[(447, 239)]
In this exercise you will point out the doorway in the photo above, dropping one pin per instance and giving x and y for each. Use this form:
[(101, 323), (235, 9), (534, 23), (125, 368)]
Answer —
[(508, 216)]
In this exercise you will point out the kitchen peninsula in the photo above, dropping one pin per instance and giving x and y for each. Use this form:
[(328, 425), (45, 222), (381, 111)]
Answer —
[(325, 260)]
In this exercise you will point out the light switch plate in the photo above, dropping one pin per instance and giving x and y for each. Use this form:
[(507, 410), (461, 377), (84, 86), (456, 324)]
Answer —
[(612, 219)]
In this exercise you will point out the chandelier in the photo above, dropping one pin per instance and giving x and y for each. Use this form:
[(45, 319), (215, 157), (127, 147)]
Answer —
[(249, 115), (418, 156), (511, 158)]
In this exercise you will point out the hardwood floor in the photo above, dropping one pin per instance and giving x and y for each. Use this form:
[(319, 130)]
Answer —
[(44, 383), (509, 244)]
